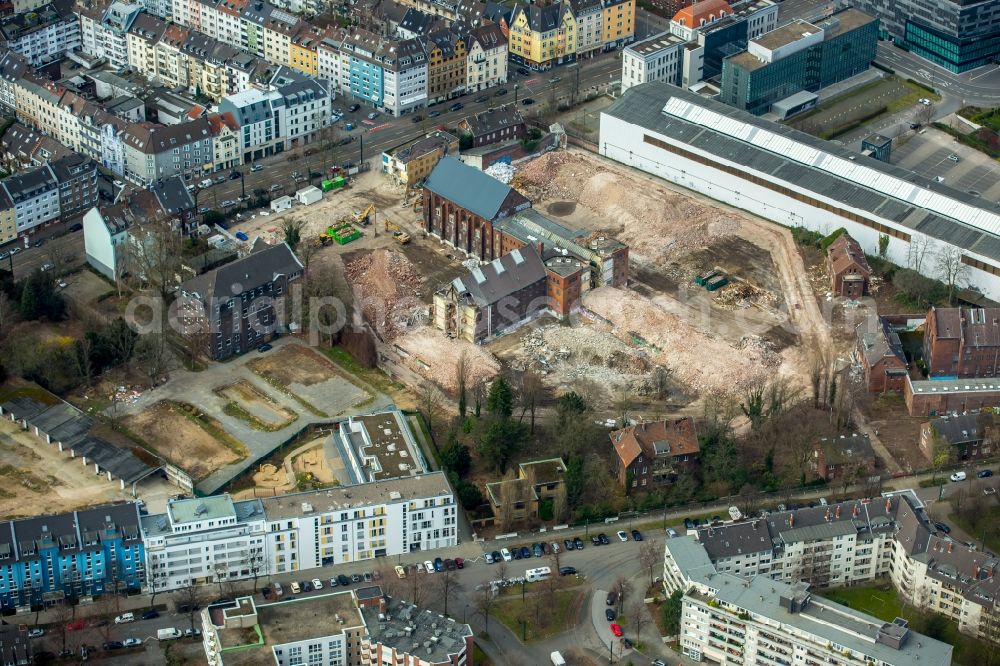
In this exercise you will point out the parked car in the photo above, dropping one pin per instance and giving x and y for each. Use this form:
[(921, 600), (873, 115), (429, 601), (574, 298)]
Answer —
[(449, 565), (220, 179), (36, 632), (527, 101), (488, 557), (525, 553), (457, 106), (433, 114), (353, 107), (595, 540), (429, 566), (570, 544), (317, 584), (944, 528), (610, 614), (416, 118), (611, 599), (496, 556), (914, 126), (671, 532), (235, 175), (500, 93), (343, 580), (131, 642), (555, 547), (516, 552), (622, 536), (150, 615), (355, 578), (578, 542), (953, 157), (295, 587), (76, 227), (438, 564), (275, 187), (192, 633), (989, 490), (524, 71), (256, 167), (604, 539), (459, 563), (924, 101), (400, 571), (113, 645), (958, 476), (536, 550), (636, 535), (984, 473), (567, 571), (616, 630), (373, 115), (125, 618), (265, 347), (505, 553)]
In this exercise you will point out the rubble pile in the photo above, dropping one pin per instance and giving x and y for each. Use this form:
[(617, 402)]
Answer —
[(388, 289), (501, 171), (700, 361), (654, 222), (762, 348), (741, 294), (432, 354)]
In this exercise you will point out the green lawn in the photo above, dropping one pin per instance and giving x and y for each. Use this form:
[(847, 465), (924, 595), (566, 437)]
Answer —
[(880, 601), (554, 618)]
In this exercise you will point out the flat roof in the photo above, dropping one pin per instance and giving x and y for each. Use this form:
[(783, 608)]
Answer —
[(388, 451), (938, 386), (654, 44), (286, 622), (405, 625), (787, 34), (200, 508), (405, 489)]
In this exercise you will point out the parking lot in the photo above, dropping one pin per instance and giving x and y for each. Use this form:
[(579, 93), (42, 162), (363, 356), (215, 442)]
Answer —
[(928, 153)]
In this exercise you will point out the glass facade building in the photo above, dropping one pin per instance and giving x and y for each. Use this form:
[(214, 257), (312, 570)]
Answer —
[(958, 35), (847, 48)]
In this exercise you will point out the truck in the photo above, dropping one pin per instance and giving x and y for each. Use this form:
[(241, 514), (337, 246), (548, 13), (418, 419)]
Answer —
[(168, 634), (557, 659)]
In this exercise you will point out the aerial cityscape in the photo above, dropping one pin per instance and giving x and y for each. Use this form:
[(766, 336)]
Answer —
[(515, 333)]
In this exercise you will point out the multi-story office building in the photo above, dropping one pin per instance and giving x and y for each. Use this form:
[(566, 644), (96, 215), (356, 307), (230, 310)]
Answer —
[(43, 35), (714, 31), (796, 57), (352, 523), (204, 540), (47, 559), (959, 35), (659, 58)]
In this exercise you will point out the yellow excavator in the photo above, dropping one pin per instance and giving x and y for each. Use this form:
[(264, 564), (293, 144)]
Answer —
[(398, 234), (365, 217)]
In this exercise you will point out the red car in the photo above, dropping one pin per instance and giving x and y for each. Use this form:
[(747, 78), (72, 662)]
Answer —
[(616, 629), (459, 562), (76, 625)]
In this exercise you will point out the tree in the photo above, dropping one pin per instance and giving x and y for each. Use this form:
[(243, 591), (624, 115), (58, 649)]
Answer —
[(500, 399), (623, 405), (530, 394), (950, 268), (651, 557), (500, 441), (39, 298), (189, 596), (484, 601), (672, 613), (749, 500), (637, 609), (152, 355), (153, 255), (63, 614), (917, 250), (622, 587), (455, 456), (446, 584), (430, 406), (942, 454), (883, 245), (106, 608), (462, 379), (7, 311), (292, 229)]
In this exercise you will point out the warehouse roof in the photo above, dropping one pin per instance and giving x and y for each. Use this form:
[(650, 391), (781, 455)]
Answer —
[(828, 169)]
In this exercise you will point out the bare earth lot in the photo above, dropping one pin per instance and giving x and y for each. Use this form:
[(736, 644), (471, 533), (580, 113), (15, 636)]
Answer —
[(257, 404), (36, 478), (311, 377), (180, 440)]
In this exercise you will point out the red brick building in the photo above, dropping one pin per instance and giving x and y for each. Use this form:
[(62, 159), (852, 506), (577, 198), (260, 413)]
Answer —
[(849, 270), (969, 434), (654, 454), (962, 342), (935, 397), (879, 352)]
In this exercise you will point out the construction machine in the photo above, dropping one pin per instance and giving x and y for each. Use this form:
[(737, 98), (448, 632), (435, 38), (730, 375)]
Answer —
[(398, 234), (365, 217)]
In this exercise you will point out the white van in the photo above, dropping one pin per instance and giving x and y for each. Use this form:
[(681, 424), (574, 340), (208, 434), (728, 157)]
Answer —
[(535, 575), (958, 476), (168, 634), (205, 183)]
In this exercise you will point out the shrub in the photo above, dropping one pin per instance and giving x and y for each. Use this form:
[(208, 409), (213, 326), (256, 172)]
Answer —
[(828, 241)]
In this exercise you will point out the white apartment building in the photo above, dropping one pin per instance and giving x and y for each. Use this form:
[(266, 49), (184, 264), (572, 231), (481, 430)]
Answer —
[(332, 65), (260, 115), (658, 58), (204, 540), (588, 14), (105, 35), (353, 523), (42, 37), (404, 71), (486, 63), (35, 196), (307, 104)]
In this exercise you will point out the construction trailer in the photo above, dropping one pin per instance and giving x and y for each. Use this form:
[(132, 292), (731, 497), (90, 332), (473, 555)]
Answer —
[(309, 195)]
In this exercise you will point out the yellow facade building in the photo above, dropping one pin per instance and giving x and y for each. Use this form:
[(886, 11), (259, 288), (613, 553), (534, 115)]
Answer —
[(543, 37)]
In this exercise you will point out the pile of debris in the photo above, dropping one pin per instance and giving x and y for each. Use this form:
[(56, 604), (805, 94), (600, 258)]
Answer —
[(762, 349), (388, 289), (567, 354), (431, 354), (740, 294), (502, 171)]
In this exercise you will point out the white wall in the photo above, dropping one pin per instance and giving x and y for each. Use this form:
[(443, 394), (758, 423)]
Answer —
[(623, 142), (98, 244)]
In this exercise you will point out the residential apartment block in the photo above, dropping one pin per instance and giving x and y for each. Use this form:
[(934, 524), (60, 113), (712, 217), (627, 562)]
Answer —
[(239, 306), (962, 342), (656, 453), (542, 37), (104, 33), (51, 558), (43, 35), (659, 58), (59, 190), (855, 542)]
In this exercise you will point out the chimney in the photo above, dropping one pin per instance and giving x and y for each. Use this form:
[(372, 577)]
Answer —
[(826, 515), (856, 511), (950, 544), (888, 504), (540, 248), (837, 512), (791, 520)]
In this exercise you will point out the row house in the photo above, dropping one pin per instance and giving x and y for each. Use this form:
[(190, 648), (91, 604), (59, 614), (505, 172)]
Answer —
[(44, 35), (23, 147), (70, 556), (229, 22), (104, 34), (589, 35), (260, 116), (332, 62), (406, 75), (617, 23), (307, 105), (446, 65), (486, 63), (543, 37), (36, 102), (156, 151), (226, 150), (142, 37), (13, 67), (278, 31), (255, 16), (302, 51)]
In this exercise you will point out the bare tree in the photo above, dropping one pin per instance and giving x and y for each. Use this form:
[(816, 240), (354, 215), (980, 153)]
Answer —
[(462, 380), (637, 609), (84, 362), (917, 251), (189, 598), (416, 588), (560, 504), (555, 557), (651, 557), (621, 587), (925, 114), (446, 584), (63, 614), (105, 609), (60, 256), (153, 255), (484, 601), (152, 355), (530, 394), (429, 402), (749, 500), (623, 406), (950, 268)]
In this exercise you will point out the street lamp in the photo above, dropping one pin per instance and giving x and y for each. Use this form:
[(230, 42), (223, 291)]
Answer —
[(515, 93)]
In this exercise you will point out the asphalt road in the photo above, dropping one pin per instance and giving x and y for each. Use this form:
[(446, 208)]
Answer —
[(387, 132)]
